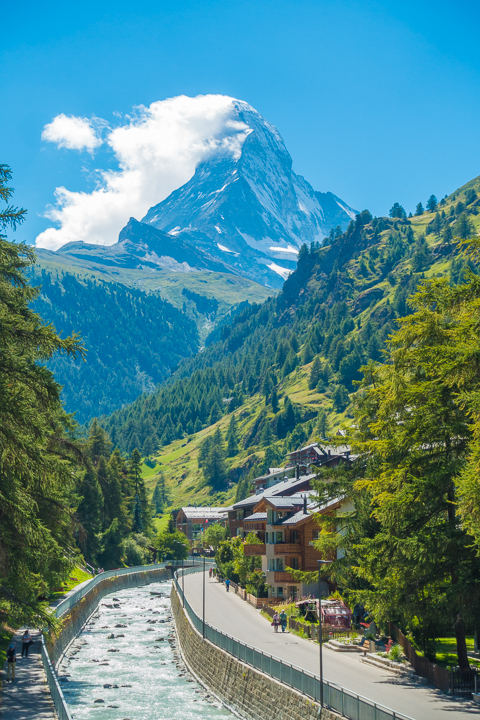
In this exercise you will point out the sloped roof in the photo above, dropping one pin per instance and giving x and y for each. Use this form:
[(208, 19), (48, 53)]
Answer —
[(210, 513), (256, 517), (281, 488)]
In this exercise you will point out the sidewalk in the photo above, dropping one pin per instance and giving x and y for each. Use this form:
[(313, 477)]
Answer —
[(28, 698), (227, 612)]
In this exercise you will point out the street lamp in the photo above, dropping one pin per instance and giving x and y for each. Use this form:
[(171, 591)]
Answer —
[(320, 638)]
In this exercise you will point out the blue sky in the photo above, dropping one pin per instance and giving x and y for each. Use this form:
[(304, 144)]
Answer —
[(376, 101)]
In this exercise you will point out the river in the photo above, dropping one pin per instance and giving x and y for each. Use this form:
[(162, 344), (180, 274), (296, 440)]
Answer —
[(125, 664)]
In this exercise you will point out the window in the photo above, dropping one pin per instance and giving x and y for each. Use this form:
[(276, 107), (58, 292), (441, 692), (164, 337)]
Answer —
[(279, 592), (239, 514), (271, 563), (315, 534), (269, 517), (278, 564), (294, 563), (294, 535), (279, 537)]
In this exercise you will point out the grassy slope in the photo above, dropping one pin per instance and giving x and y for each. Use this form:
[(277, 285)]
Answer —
[(179, 460), (228, 290)]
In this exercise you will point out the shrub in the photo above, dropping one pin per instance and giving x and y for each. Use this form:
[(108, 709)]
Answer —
[(395, 653)]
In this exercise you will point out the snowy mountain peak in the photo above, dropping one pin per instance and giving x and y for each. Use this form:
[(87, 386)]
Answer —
[(246, 206)]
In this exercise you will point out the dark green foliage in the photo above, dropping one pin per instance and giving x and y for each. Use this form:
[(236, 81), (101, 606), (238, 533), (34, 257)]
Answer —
[(39, 459), (340, 398), (212, 461), (232, 439), (470, 196), (419, 209), (133, 340), (397, 211), (160, 496), (322, 424), (315, 373), (463, 227), (205, 305), (432, 203)]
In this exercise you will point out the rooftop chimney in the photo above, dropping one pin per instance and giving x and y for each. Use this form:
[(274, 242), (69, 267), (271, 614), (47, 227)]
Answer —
[(305, 505), (297, 471)]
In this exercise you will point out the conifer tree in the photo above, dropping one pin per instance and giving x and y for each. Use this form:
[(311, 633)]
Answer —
[(322, 424), (419, 209), (90, 515), (39, 457), (232, 440), (274, 401), (315, 373), (98, 444), (432, 204)]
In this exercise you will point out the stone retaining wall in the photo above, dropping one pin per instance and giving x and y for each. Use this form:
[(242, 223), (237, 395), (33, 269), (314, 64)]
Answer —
[(246, 691), (75, 618)]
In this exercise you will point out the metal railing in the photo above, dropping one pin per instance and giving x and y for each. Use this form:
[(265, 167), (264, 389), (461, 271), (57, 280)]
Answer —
[(348, 704), (70, 601), (61, 707)]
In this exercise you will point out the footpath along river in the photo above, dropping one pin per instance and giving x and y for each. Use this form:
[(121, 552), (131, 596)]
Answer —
[(125, 664)]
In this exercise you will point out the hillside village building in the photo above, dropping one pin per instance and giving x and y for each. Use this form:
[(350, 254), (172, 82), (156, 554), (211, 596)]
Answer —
[(193, 521), (281, 515)]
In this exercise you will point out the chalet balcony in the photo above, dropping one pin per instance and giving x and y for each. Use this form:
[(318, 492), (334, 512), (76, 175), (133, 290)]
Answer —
[(287, 549), (254, 550), (235, 524), (282, 577), (250, 526)]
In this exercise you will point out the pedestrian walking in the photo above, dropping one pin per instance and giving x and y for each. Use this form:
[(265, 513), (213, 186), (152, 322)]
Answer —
[(275, 621), (227, 584), (210, 573), (26, 642), (11, 660), (283, 620)]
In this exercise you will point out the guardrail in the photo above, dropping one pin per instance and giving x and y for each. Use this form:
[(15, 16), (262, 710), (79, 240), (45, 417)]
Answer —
[(335, 697), (70, 601), (61, 707)]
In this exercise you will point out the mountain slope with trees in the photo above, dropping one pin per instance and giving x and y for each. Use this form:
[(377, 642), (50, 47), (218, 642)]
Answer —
[(287, 368), (133, 340)]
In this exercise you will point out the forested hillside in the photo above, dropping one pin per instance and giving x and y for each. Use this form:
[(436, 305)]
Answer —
[(133, 340), (285, 370)]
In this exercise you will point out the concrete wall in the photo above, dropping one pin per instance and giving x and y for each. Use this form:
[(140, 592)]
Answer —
[(246, 691), (74, 620)]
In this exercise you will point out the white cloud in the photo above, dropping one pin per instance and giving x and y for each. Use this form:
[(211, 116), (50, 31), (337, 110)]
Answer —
[(157, 151), (73, 133)]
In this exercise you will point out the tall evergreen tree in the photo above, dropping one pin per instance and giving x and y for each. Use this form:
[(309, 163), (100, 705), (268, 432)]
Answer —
[(432, 204), (39, 458), (232, 439)]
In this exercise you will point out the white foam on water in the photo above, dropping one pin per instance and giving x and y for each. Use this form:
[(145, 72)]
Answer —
[(144, 664)]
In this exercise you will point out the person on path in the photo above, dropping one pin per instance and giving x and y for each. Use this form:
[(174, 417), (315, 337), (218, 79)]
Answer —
[(11, 660), (275, 621), (210, 573), (283, 620), (227, 584), (26, 642)]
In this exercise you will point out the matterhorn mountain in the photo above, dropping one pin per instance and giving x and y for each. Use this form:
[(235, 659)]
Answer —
[(247, 208)]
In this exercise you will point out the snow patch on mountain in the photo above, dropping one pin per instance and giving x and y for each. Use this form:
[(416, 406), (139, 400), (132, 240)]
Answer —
[(283, 272)]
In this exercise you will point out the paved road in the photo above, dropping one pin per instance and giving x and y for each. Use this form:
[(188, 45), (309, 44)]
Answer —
[(227, 612), (28, 698)]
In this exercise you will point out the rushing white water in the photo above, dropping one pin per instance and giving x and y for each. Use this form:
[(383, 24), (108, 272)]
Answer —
[(137, 674)]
